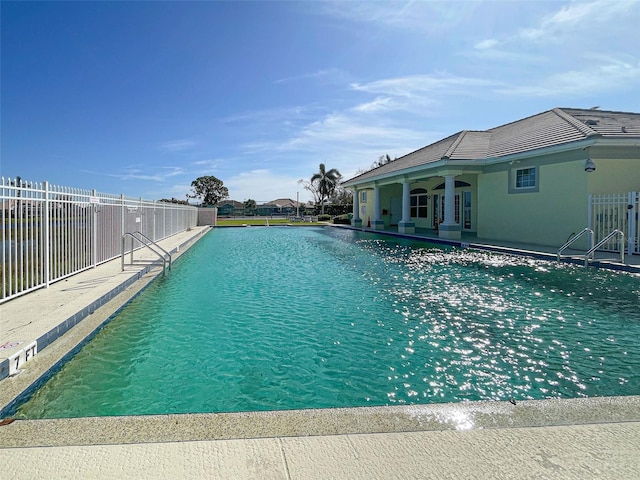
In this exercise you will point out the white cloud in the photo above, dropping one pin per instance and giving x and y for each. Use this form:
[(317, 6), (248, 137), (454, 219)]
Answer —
[(204, 166), (263, 185), (602, 75), (330, 74), (172, 171), (280, 114), (577, 16), (135, 172), (343, 134), (177, 145), (391, 122), (378, 105), (486, 44), (431, 18), (349, 140), (427, 85), (391, 13), (574, 28)]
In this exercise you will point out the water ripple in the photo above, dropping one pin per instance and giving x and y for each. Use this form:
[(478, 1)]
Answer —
[(262, 319)]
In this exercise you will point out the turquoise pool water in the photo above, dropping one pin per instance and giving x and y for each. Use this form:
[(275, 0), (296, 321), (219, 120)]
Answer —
[(293, 318)]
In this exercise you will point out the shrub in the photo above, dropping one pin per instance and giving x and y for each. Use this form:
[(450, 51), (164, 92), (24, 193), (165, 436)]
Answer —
[(324, 218), (343, 219)]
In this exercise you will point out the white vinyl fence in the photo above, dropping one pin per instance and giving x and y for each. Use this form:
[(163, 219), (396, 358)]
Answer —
[(51, 232), (616, 211)]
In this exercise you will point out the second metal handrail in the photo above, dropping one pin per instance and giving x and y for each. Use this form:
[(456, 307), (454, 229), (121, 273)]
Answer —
[(602, 242), (141, 236), (573, 239)]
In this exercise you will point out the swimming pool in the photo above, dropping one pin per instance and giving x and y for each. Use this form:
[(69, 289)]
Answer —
[(294, 318)]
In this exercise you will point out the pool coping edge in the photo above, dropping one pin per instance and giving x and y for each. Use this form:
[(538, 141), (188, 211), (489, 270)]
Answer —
[(315, 422)]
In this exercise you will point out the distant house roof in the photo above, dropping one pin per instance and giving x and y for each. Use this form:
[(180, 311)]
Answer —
[(232, 203), (551, 128), (284, 203)]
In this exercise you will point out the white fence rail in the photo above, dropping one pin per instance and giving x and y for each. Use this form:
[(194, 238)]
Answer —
[(51, 232), (616, 211)]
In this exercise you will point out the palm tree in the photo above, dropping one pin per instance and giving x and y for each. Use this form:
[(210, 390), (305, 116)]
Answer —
[(250, 207), (326, 182)]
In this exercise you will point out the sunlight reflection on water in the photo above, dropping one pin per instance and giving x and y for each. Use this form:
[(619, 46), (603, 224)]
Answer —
[(288, 318)]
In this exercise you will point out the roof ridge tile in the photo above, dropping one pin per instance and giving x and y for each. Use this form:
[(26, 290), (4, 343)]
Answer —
[(454, 145), (582, 127)]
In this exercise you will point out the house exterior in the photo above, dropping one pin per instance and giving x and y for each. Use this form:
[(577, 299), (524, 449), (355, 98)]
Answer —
[(527, 181), (280, 206), (230, 208)]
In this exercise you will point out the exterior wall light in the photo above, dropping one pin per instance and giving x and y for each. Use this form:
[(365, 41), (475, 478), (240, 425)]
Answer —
[(589, 166)]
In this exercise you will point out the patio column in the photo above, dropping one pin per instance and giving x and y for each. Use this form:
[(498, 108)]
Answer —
[(377, 223), (449, 228), (406, 225), (356, 221)]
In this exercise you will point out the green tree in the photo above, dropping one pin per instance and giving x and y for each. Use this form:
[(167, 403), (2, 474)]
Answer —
[(250, 207), (209, 189), (325, 182), (342, 196), (311, 188)]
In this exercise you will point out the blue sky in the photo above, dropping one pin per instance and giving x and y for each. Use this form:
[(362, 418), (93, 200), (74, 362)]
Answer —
[(141, 98)]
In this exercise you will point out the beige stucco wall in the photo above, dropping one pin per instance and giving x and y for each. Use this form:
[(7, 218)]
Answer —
[(614, 176), (387, 192), (546, 217), (365, 208)]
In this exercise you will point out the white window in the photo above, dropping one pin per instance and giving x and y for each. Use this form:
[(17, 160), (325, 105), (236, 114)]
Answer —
[(363, 197), (466, 212), (524, 180), (526, 177), (419, 203)]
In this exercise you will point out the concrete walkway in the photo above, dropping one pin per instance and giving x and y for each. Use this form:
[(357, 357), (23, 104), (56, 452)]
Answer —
[(580, 438), (579, 452)]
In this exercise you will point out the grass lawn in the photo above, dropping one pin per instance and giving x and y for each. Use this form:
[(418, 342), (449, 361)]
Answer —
[(261, 221)]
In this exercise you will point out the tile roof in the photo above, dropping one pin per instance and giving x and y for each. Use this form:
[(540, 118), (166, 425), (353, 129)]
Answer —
[(233, 203), (284, 202), (607, 123), (547, 129)]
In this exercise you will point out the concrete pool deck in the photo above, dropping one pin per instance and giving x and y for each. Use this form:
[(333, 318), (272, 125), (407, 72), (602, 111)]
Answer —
[(579, 438)]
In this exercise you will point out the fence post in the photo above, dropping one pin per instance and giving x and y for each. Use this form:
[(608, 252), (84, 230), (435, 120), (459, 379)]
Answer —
[(94, 231), (122, 215), (631, 215), (47, 236), (153, 236), (590, 211), (142, 223)]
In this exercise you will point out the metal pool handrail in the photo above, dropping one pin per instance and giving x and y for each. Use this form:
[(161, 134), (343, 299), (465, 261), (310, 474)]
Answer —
[(602, 242), (576, 237), (141, 236)]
